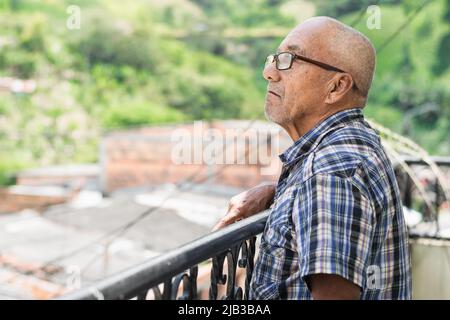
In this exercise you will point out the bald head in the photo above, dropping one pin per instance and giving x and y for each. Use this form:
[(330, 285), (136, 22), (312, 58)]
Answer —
[(328, 40), (333, 72)]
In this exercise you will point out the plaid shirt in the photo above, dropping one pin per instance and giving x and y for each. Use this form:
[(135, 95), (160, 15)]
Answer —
[(337, 210)]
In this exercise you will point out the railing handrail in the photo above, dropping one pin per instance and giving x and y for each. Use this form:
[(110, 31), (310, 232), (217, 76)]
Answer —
[(153, 272), (443, 161)]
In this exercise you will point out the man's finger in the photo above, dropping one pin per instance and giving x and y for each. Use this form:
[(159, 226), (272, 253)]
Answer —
[(232, 215), (221, 224), (218, 226), (228, 219)]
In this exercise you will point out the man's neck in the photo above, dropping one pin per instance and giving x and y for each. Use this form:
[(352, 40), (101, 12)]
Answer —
[(299, 127)]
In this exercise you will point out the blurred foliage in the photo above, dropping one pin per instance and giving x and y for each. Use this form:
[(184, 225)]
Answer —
[(154, 62), (410, 93), (412, 70), (339, 8)]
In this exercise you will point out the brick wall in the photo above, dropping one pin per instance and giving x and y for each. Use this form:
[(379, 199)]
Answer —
[(13, 202), (146, 156)]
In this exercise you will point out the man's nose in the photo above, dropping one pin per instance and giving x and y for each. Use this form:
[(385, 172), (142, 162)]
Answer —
[(271, 73)]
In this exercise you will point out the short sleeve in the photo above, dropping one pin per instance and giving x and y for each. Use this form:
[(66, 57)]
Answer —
[(333, 228)]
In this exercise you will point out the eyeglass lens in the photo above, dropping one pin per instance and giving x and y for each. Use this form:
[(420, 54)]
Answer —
[(283, 60)]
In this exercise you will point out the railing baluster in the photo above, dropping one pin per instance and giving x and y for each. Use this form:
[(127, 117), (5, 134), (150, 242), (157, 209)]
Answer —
[(142, 295), (157, 293), (231, 278), (167, 289), (217, 276)]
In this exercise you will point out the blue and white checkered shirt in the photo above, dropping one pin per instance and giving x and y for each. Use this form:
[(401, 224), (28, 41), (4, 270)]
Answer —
[(337, 210)]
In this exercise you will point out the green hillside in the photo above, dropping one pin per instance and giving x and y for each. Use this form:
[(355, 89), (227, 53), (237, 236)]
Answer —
[(139, 62)]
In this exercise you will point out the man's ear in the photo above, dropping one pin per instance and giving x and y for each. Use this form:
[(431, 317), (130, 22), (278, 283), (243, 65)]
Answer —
[(338, 87)]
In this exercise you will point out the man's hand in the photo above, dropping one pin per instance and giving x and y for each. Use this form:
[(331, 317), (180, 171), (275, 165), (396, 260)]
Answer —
[(248, 203)]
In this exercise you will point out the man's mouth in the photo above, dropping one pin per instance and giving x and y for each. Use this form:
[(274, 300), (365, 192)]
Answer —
[(274, 93)]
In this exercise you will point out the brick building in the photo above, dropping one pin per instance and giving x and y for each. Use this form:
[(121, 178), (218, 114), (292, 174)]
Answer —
[(234, 153)]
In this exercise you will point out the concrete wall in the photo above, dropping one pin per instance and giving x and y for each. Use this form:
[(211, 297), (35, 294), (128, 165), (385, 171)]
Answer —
[(431, 268)]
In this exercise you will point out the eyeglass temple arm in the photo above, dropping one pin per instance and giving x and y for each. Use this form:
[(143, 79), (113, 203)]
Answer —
[(323, 65), (320, 64)]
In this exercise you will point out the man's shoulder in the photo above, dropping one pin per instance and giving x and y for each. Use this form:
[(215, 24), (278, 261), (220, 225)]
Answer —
[(346, 149), (355, 135)]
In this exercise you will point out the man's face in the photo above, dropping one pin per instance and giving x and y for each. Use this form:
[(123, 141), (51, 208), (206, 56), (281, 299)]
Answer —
[(298, 91)]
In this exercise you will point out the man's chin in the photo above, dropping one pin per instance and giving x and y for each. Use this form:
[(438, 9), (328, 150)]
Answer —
[(268, 114), (272, 117)]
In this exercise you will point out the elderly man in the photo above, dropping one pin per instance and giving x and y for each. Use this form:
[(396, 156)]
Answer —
[(336, 228)]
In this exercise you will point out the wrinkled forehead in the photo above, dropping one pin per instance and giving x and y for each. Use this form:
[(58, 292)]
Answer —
[(306, 39), (295, 42)]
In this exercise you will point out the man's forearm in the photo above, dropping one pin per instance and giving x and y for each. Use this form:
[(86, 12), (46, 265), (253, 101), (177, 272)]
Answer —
[(271, 187)]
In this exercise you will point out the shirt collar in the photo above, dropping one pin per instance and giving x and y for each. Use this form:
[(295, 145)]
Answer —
[(311, 139)]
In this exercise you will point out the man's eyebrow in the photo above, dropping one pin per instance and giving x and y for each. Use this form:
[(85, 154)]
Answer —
[(294, 48)]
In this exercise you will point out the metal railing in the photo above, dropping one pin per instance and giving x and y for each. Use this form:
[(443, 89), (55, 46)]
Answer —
[(232, 248), (407, 187), (234, 244)]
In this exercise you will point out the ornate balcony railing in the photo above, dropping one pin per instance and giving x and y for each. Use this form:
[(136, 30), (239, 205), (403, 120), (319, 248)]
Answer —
[(233, 247)]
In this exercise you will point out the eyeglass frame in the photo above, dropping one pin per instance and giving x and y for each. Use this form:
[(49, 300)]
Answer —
[(303, 58)]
